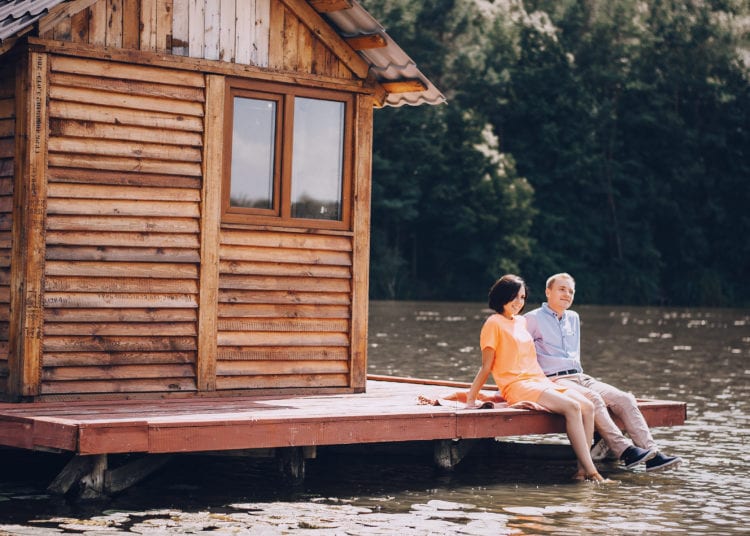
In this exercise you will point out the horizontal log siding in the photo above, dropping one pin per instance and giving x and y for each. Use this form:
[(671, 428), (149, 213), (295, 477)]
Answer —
[(284, 310), (121, 272), (7, 157), (263, 33)]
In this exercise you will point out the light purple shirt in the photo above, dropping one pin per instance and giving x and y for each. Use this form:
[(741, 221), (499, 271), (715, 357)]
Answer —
[(557, 340)]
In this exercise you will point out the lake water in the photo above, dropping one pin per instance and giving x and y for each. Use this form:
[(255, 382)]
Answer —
[(697, 356)]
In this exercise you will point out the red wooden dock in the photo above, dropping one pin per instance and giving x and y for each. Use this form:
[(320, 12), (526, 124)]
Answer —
[(387, 412)]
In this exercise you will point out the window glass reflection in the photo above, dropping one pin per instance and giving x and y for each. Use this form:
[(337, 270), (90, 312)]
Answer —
[(317, 159), (253, 135)]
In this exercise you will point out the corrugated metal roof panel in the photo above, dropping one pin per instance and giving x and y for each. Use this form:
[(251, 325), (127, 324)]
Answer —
[(389, 63), (15, 15)]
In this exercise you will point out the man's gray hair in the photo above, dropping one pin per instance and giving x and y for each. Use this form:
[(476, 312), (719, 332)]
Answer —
[(551, 279)]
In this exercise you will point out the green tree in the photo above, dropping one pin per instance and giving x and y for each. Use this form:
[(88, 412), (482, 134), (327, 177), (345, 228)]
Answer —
[(626, 123), (630, 120), (690, 110), (449, 212)]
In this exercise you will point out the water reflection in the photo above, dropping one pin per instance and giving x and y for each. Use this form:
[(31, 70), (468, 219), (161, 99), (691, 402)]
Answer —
[(698, 356)]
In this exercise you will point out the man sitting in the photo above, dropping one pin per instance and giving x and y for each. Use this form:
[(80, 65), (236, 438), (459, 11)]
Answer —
[(557, 337)]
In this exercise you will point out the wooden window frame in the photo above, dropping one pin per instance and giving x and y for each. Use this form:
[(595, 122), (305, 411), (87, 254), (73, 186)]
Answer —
[(280, 214)]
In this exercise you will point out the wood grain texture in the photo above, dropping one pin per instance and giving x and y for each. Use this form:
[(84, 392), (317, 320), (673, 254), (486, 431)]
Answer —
[(121, 70), (28, 254), (210, 236), (136, 262), (388, 412), (324, 32), (131, 22), (122, 317), (361, 253), (7, 163)]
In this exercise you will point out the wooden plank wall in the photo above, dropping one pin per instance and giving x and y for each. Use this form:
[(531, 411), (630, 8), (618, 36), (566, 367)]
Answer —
[(122, 241), (284, 310), (132, 24), (264, 33), (7, 152)]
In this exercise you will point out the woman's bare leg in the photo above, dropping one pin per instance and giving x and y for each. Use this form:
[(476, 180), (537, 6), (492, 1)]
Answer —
[(587, 414), (574, 426)]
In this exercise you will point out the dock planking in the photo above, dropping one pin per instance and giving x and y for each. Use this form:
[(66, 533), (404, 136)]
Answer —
[(387, 412)]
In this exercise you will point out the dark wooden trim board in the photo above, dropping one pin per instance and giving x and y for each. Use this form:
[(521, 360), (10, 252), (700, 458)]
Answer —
[(388, 412)]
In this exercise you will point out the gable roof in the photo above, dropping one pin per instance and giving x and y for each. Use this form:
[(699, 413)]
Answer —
[(18, 15), (389, 64)]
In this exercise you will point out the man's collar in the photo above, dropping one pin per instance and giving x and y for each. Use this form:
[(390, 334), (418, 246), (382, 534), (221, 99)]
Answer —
[(547, 309)]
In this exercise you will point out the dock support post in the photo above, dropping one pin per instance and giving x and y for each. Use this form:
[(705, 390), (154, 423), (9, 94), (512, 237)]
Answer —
[(292, 462), (92, 483), (93, 480), (448, 452), (87, 472)]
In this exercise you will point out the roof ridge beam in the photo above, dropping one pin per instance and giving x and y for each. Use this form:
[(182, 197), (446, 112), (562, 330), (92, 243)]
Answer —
[(366, 41), (403, 85)]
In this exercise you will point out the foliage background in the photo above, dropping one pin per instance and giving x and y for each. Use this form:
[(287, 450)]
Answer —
[(606, 138)]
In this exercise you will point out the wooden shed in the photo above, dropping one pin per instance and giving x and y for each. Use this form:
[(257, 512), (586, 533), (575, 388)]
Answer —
[(185, 194)]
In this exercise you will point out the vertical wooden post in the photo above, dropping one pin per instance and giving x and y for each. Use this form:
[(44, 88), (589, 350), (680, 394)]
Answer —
[(447, 453), (76, 470), (29, 227), (92, 483), (361, 247), (131, 23), (291, 462), (208, 301)]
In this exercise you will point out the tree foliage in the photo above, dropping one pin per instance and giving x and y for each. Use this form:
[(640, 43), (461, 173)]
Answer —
[(608, 139)]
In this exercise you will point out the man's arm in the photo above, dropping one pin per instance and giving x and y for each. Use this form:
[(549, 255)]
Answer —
[(532, 326)]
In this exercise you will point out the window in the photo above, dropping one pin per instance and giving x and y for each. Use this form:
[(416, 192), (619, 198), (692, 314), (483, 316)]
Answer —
[(253, 153), (287, 155)]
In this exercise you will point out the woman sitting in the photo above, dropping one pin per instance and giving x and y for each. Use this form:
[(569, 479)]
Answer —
[(508, 353)]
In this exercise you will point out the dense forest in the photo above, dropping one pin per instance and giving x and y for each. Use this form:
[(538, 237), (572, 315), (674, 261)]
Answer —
[(606, 138)]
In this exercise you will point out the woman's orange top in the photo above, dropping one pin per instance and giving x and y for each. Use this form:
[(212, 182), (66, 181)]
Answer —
[(515, 355)]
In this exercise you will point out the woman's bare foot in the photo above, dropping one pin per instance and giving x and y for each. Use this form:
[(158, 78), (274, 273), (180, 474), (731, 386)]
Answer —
[(579, 475), (597, 479)]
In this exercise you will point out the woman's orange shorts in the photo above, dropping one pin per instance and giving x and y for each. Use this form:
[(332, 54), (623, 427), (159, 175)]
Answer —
[(529, 390)]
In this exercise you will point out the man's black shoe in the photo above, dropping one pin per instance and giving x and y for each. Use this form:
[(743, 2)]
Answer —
[(661, 462), (634, 455)]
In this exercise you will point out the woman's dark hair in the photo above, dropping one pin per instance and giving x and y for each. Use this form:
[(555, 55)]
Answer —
[(504, 291)]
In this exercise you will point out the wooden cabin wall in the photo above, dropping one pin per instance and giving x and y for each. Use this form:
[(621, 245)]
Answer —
[(263, 33), (131, 181), (7, 152), (123, 243), (122, 240), (284, 310)]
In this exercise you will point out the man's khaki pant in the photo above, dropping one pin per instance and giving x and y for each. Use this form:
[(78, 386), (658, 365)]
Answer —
[(607, 397)]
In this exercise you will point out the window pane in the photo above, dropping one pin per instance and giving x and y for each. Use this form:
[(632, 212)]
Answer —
[(253, 135), (317, 159)]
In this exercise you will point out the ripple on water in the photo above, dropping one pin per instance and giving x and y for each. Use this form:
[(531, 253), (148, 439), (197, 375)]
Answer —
[(708, 495)]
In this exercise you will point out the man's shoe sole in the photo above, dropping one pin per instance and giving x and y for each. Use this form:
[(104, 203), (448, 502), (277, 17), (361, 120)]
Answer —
[(671, 464)]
